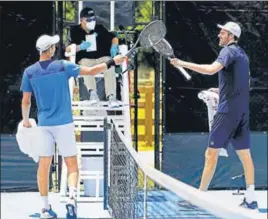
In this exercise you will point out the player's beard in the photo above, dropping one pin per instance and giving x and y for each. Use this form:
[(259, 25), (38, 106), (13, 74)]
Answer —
[(222, 43)]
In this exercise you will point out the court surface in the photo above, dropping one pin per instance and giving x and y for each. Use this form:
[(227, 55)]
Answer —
[(27, 205)]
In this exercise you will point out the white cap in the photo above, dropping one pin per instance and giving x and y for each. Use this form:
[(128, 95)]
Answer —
[(46, 41), (232, 27)]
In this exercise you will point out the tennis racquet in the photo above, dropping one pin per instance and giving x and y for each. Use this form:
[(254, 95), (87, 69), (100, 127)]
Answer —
[(165, 49), (151, 35)]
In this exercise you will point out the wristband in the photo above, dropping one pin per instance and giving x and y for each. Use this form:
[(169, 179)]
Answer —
[(110, 63)]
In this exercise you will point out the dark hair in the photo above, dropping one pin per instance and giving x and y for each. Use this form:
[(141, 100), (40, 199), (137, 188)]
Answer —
[(235, 37)]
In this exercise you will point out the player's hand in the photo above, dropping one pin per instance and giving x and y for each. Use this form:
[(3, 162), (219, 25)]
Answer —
[(27, 124), (69, 52), (85, 45), (119, 59), (176, 62)]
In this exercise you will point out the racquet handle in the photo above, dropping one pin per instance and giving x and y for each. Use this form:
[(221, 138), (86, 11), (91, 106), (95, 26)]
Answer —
[(132, 52), (182, 70), (129, 53)]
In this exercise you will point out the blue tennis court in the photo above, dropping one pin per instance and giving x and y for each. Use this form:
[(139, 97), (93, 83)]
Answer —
[(160, 205)]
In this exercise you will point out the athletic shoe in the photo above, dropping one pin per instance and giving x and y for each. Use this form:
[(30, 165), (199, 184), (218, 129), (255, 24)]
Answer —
[(112, 102), (94, 98), (253, 205), (71, 208), (48, 213)]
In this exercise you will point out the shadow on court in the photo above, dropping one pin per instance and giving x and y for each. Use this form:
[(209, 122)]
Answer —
[(37, 215)]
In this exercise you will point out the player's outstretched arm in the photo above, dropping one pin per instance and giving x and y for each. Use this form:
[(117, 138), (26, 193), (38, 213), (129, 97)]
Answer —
[(117, 60), (202, 69)]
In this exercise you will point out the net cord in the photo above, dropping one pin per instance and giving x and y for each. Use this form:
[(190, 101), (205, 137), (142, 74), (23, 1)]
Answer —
[(201, 199)]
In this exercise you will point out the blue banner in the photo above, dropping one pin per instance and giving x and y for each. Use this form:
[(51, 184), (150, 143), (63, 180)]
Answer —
[(18, 171), (183, 158)]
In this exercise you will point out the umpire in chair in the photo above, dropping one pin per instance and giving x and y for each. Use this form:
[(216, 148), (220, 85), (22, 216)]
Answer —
[(95, 45)]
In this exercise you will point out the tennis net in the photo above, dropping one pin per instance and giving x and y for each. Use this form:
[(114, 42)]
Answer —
[(134, 190)]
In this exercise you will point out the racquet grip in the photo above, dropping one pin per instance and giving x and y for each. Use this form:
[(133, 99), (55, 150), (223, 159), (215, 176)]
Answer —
[(128, 53), (132, 51), (182, 70)]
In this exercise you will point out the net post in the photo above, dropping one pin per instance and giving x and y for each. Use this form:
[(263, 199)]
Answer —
[(164, 91), (136, 98), (145, 197), (106, 127), (157, 75)]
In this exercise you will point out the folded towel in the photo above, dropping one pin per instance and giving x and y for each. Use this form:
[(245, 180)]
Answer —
[(27, 139), (211, 99)]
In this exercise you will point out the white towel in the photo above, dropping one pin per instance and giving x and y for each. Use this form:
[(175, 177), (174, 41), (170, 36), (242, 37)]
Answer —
[(211, 99), (27, 139)]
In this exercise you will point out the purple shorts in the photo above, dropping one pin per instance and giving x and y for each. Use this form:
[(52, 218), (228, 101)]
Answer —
[(227, 127)]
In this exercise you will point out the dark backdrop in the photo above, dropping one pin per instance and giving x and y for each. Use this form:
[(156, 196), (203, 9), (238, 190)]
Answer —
[(20, 25)]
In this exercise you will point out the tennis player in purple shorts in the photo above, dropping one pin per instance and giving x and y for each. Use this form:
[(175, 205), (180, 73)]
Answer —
[(231, 122)]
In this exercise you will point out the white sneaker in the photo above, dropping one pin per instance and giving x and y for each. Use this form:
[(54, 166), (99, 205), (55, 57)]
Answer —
[(112, 102), (94, 98)]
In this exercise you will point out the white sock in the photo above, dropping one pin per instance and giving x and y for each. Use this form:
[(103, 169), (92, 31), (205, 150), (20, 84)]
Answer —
[(250, 193), (45, 202), (72, 192)]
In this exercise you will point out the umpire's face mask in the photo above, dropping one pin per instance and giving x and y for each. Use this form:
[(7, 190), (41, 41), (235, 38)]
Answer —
[(91, 23)]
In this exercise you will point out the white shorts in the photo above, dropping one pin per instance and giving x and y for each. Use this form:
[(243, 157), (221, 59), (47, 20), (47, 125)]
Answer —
[(62, 135)]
